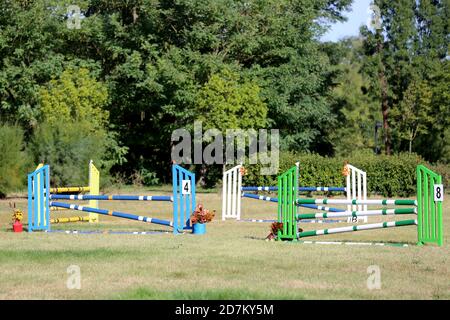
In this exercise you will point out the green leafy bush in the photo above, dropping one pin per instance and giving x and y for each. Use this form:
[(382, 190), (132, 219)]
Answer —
[(68, 148), (13, 160), (389, 176)]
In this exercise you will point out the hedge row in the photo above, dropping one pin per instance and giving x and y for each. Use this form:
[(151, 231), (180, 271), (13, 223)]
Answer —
[(389, 176)]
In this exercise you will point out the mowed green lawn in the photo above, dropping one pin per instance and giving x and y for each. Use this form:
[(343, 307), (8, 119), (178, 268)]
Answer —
[(232, 261)]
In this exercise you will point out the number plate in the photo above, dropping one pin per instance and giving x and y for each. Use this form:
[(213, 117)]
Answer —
[(439, 192), (186, 187)]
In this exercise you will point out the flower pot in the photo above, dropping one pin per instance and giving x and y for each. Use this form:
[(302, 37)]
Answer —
[(17, 226), (199, 228)]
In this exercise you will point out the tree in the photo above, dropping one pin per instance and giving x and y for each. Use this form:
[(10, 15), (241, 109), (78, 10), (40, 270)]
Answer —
[(75, 97), (228, 102), (401, 58), (413, 115)]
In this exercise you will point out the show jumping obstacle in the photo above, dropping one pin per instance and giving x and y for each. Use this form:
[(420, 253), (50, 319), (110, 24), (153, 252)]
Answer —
[(233, 192), (93, 189), (428, 208), (39, 203)]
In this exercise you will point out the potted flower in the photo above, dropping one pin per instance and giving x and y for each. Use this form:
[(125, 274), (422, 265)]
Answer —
[(17, 218), (200, 217)]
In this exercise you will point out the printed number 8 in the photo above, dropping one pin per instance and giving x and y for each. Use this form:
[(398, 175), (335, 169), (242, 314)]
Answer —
[(438, 193)]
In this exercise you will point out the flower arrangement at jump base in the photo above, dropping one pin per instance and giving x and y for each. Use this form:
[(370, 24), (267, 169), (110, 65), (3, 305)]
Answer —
[(200, 217), (274, 227), (17, 217)]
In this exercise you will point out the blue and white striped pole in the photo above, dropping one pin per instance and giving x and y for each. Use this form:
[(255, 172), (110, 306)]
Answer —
[(309, 206), (109, 197), (305, 189), (111, 213)]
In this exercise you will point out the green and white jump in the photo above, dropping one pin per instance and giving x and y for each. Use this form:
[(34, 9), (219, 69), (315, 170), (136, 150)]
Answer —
[(232, 192), (427, 207)]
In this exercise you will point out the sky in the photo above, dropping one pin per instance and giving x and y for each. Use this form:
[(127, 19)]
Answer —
[(356, 17)]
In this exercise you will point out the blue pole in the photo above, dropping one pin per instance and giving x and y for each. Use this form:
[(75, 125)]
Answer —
[(310, 206), (305, 189), (108, 197), (111, 213)]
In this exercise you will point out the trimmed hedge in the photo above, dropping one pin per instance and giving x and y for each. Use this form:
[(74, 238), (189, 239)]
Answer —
[(389, 176)]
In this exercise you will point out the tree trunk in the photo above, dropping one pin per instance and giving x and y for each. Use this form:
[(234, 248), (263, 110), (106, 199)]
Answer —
[(385, 111), (384, 96)]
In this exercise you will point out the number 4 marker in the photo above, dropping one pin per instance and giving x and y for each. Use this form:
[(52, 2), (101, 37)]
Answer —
[(438, 192), (186, 187)]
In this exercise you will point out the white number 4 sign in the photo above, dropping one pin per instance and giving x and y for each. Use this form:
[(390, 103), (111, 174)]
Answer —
[(186, 187), (439, 192)]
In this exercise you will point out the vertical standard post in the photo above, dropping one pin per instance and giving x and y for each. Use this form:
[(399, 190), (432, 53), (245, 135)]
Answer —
[(239, 196), (429, 212), (229, 212), (224, 192), (356, 189), (287, 209), (349, 190), (46, 186), (365, 189), (38, 199), (183, 198), (175, 199), (231, 193), (234, 174), (94, 189), (30, 203), (353, 173)]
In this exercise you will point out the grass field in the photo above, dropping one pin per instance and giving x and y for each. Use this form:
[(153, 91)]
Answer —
[(232, 261)]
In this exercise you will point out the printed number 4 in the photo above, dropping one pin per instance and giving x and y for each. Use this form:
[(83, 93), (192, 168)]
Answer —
[(186, 187)]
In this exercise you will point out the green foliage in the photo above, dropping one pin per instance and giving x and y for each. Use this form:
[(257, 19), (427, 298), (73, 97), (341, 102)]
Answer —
[(13, 159), (413, 115), (389, 176), (405, 61), (154, 64), (357, 111), (68, 148), (227, 102), (75, 96)]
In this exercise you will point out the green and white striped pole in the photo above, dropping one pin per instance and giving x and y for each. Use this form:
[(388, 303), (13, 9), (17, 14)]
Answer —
[(383, 202), (381, 225), (381, 212)]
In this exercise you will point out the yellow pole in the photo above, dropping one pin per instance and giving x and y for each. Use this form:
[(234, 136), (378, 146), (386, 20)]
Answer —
[(94, 189), (69, 189)]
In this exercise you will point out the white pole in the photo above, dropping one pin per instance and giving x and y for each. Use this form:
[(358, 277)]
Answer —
[(353, 187), (234, 192), (224, 193), (229, 214), (349, 190), (239, 198)]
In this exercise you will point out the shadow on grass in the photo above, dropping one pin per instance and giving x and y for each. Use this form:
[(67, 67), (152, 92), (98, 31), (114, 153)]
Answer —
[(343, 242)]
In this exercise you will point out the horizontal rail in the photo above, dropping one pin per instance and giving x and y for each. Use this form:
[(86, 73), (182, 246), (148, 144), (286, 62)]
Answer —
[(305, 189), (70, 189), (69, 219), (357, 213), (309, 206), (112, 213), (381, 225), (109, 197), (383, 202)]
